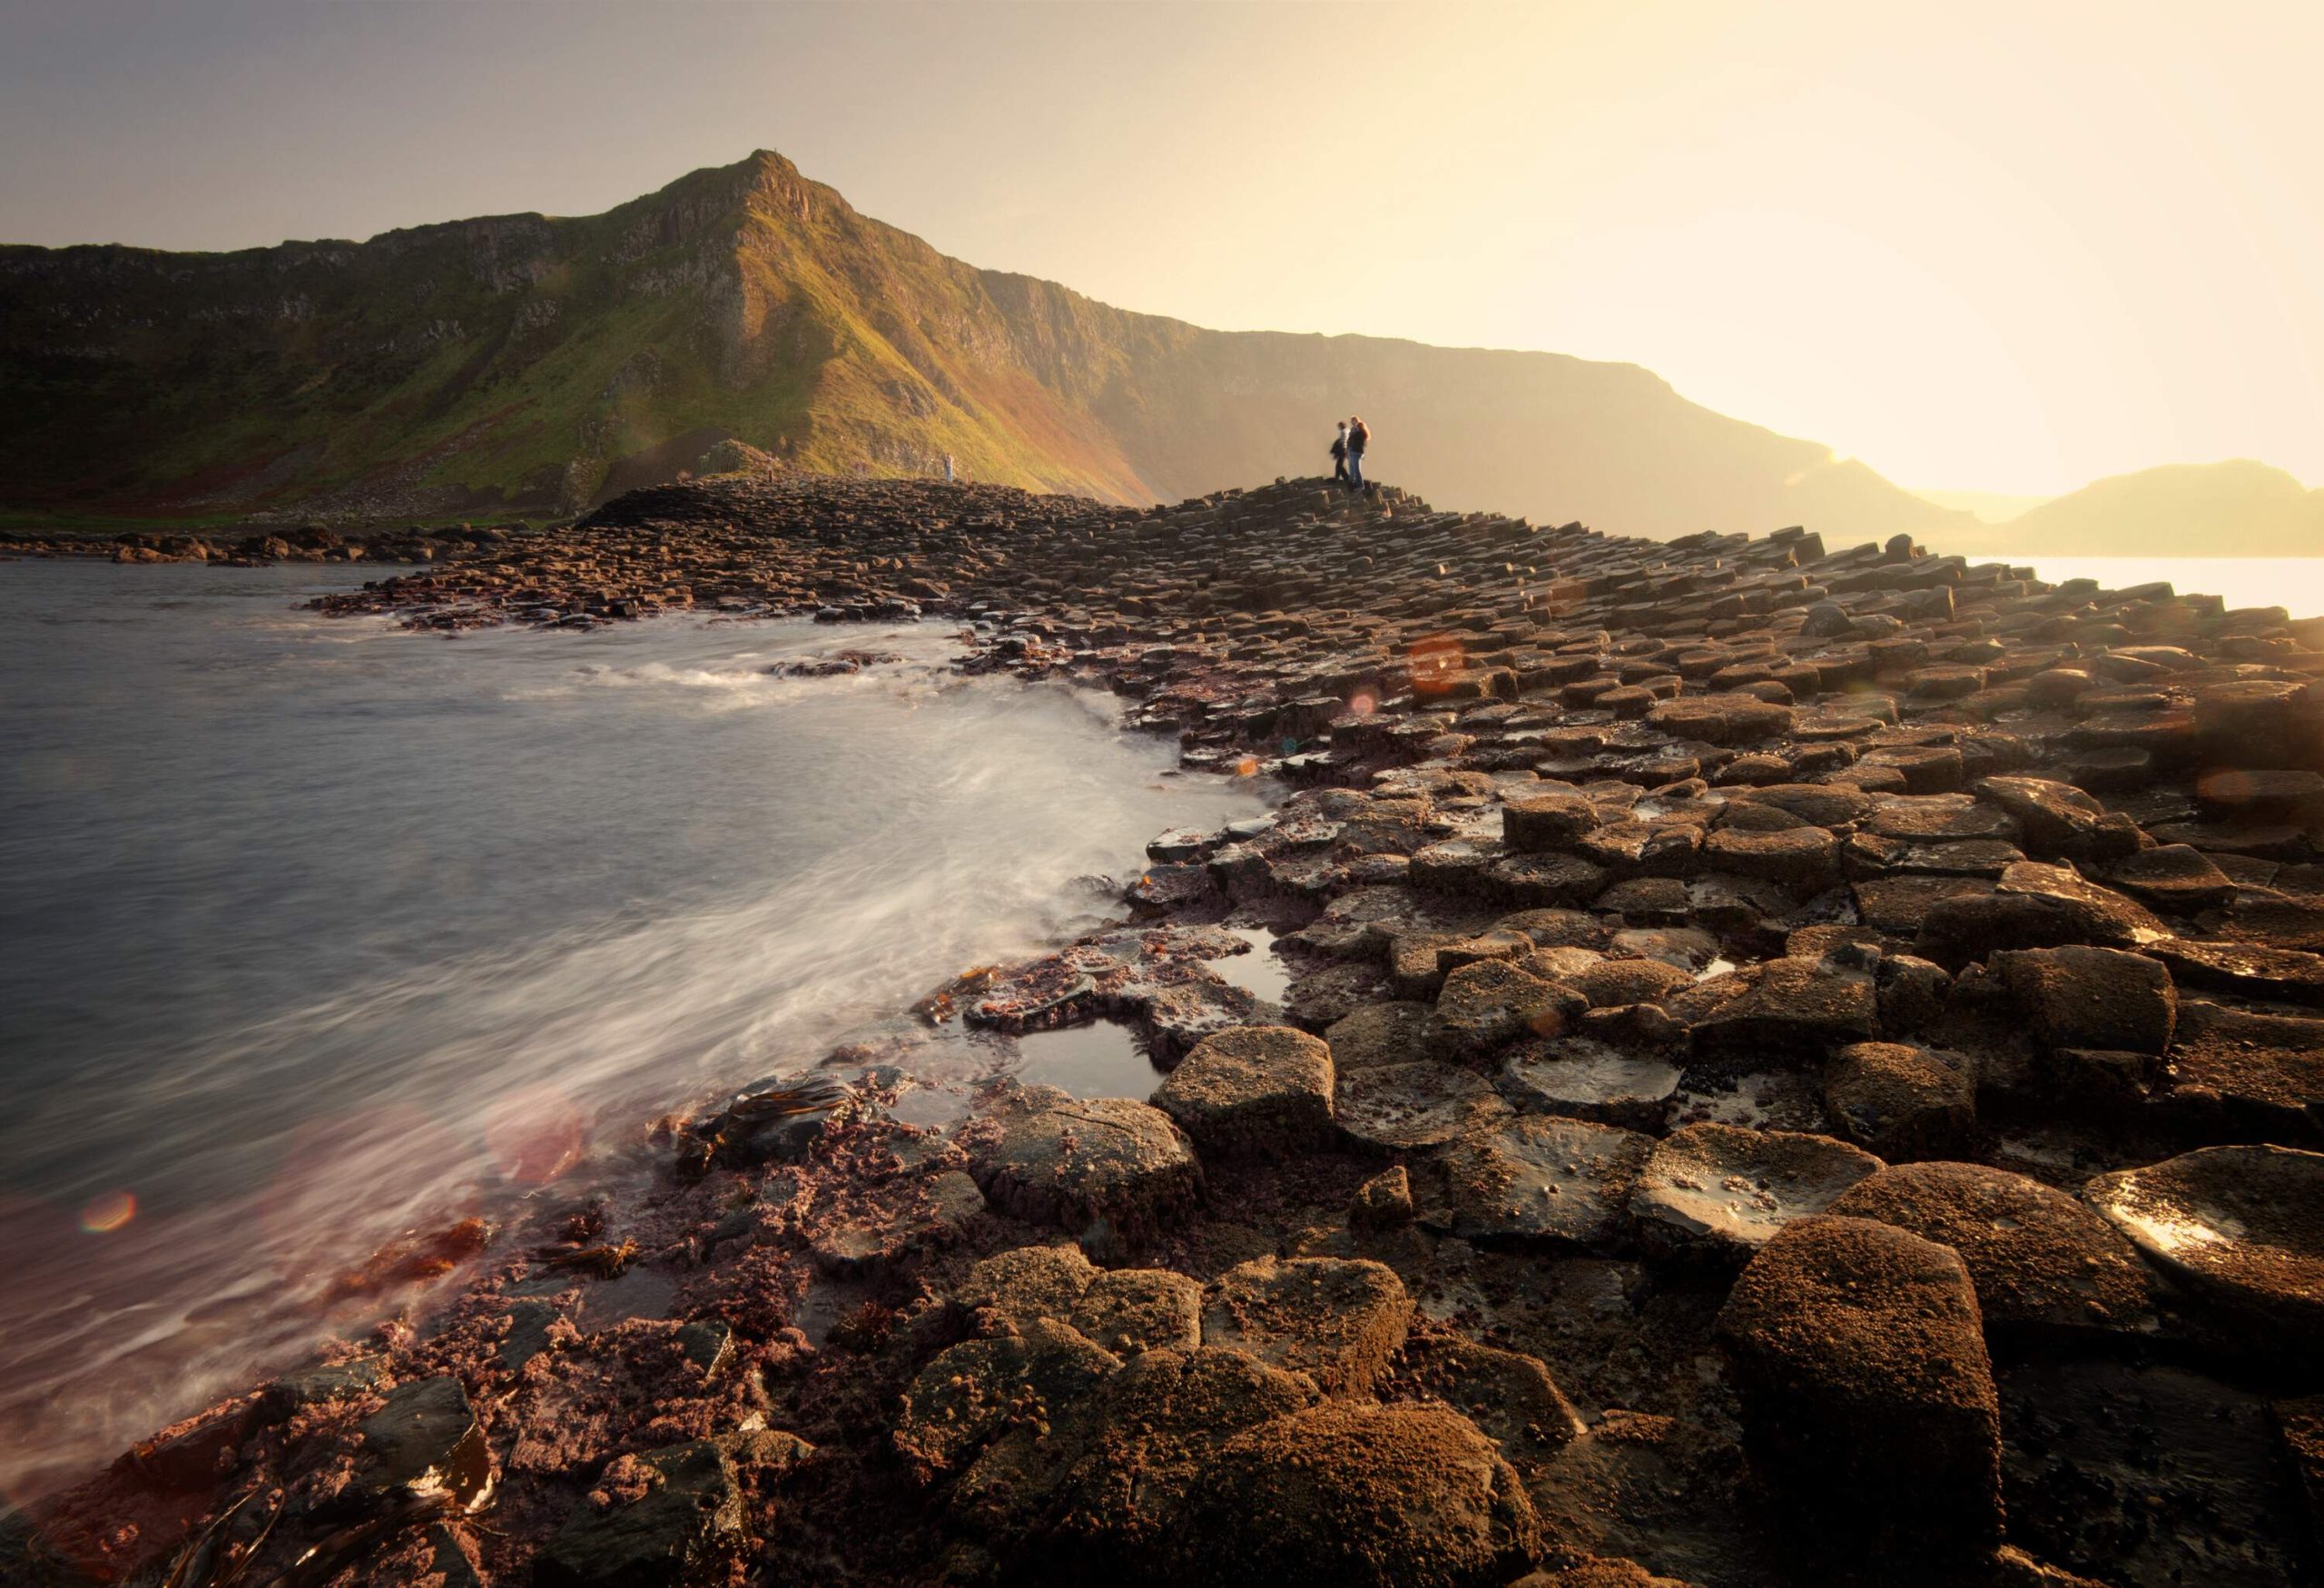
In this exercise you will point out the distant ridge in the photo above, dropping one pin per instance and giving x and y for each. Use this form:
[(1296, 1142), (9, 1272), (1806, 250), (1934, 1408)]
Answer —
[(526, 364), (2236, 508)]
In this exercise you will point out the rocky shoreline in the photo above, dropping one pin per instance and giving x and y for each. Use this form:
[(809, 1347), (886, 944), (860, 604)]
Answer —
[(1796, 1066)]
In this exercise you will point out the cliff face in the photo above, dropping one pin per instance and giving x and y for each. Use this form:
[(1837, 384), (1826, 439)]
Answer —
[(525, 363)]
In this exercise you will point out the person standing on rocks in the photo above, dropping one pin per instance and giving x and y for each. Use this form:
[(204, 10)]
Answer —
[(1359, 436), (948, 469), (1339, 455)]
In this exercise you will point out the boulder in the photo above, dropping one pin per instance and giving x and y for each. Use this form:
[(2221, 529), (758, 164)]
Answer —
[(1345, 1495), (425, 1440), (1091, 1158), (1722, 1191), (1869, 1400), (1257, 1091), (974, 1392), (2039, 1259)]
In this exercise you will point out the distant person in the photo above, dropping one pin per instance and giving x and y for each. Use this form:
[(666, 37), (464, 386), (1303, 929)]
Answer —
[(1359, 436), (1339, 455), (948, 469)]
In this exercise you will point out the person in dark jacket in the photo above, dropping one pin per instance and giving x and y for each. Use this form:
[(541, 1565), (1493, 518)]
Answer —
[(1359, 436), (1339, 455)]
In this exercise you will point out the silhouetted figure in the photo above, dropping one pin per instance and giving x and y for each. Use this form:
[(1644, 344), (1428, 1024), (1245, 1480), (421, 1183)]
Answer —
[(948, 469), (1359, 436), (1339, 455)]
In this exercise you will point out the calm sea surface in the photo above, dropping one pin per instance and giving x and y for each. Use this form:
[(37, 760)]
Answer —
[(2294, 582), (305, 921)]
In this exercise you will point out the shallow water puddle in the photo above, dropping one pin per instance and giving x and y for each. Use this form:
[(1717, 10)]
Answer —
[(1262, 972), (1101, 1060)]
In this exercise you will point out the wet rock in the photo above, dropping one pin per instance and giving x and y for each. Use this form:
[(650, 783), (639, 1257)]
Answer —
[(1722, 1191), (2080, 996), (425, 1441), (684, 1529), (1336, 1321), (2283, 975), (2243, 1227), (1360, 1496), (1383, 1202), (293, 1392), (2060, 821), (1720, 719), (2039, 1258), (1487, 1005), (1901, 1101), (1262, 1091), (2174, 877), (1092, 1159), (1403, 1107), (1869, 1402), (1539, 1178)]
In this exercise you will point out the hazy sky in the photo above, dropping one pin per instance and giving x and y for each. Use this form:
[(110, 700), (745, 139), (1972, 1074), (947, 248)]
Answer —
[(2007, 246)]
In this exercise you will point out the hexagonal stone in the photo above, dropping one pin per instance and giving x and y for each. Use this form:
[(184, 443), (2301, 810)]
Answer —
[(1797, 857), (1029, 1283), (1610, 984), (1537, 824), (2234, 1072), (1257, 1091), (1722, 1191), (1794, 1010), (1336, 1321), (1490, 1003), (1901, 1101), (1362, 1495), (1869, 1400), (2039, 1259), (1508, 1395), (1720, 719), (1587, 1079), (1401, 1107), (1539, 1178), (2035, 906), (1385, 1033), (1091, 1158), (1132, 1310), (2242, 1226), (2083, 997)]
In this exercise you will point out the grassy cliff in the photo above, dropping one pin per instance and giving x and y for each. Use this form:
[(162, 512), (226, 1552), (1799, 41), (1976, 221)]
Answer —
[(524, 363)]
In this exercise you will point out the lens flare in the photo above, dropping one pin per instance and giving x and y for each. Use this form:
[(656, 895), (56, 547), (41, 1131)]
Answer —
[(102, 1215), (1435, 661), (1363, 703), (1248, 766)]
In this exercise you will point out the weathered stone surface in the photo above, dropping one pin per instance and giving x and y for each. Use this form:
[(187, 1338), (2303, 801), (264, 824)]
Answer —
[(2242, 1226), (1400, 1107), (1091, 1158), (1900, 1101), (1395, 1032), (1488, 1004), (1722, 1191), (2235, 1074), (1508, 1395), (1779, 1010), (1130, 1310), (2039, 1258), (1360, 1496), (1338, 1322), (2035, 906), (1540, 1177), (1587, 1079), (969, 1393), (1262, 1092), (1869, 1400), (1546, 823), (1383, 1202), (684, 1529), (2080, 996)]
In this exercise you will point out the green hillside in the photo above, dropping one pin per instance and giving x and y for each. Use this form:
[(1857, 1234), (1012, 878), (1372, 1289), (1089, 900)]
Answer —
[(529, 364)]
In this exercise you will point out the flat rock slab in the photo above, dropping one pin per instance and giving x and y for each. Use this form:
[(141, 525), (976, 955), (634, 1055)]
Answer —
[(1587, 1079), (1401, 1107), (1489, 1004), (1336, 1321), (2238, 1074), (2083, 997), (1361, 1496), (2242, 1226), (1256, 1091), (1722, 1191), (1868, 1401), (2039, 1259), (1091, 1158), (1395, 1032), (2035, 906), (1540, 1177), (1794, 1010)]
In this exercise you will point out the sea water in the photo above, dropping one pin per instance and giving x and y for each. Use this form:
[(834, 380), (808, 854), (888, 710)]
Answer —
[(305, 921)]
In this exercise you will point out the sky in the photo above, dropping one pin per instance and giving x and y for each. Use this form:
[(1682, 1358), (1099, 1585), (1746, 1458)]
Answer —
[(2006, 248)]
